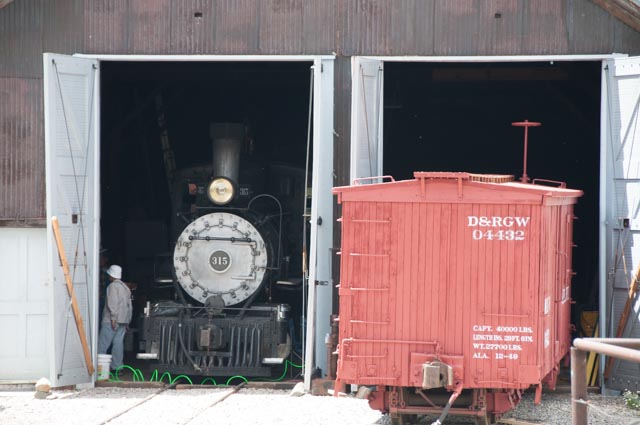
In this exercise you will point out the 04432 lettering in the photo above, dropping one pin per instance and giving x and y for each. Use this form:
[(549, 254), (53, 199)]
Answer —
[(498, 235)]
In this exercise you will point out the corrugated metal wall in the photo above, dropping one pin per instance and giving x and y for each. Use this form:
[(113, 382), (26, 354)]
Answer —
[(344, 27), (22, 194)]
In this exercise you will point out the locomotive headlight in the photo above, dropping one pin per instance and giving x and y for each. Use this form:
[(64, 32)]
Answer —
[(221, 191)]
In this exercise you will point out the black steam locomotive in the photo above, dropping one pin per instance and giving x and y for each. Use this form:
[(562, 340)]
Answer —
[(231, 266)]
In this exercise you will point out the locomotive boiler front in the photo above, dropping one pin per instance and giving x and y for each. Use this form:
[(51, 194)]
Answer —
[(220, 259)]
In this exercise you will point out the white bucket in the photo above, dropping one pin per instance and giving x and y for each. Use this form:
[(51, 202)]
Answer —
[(104, 361)]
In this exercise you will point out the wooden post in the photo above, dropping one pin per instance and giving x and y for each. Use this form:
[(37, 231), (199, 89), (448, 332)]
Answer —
[(72, 294), (578, 386)]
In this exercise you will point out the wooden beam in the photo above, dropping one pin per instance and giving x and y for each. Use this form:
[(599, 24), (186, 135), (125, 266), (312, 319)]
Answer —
[(4, 3), (626, 11), (532, 73)]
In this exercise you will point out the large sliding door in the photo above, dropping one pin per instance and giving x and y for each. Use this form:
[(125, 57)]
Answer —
[(72, 181), (620, 207), (366, 117), (320, 286)]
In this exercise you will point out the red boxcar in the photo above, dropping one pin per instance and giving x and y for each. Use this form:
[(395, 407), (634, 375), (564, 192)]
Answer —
[(454, 284)]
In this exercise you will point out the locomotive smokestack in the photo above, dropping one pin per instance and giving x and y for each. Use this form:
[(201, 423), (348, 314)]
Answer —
[(227, 144)]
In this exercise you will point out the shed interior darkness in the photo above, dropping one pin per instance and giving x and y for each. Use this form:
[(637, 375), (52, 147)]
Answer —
[(457, 117), (138, 222), (437, 117)]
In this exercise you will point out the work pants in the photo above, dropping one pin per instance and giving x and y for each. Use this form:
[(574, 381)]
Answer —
[(114, 338)]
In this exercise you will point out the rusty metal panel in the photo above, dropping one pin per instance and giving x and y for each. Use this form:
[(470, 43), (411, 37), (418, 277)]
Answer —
[(545, 28), (626, 40), (348, 27), (192, 31), (280, 26), (627, 11), (63, 30), (367, 27), (21, 150), (150, 26), (500, 23), (106, 29), (411, 27), (490, 27), (587, 18), (319, 24), (496, 27), (21, 39), (500, 27), (476, 271), (450, 15), (236, 29), (412, 24)]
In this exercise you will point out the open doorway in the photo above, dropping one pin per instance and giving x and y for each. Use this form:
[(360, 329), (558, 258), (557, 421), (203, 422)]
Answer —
[(159, 122), (457, 117)]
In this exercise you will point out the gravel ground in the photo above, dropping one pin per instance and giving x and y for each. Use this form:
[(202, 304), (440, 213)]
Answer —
[(257, 406), (192, 407), (555, 409)]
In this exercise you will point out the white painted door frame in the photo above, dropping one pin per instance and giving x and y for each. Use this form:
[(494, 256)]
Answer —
[(319, 305)]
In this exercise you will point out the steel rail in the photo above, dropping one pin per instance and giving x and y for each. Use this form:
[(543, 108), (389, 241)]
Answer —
[(144, 400), (232, 391), (217, 401)]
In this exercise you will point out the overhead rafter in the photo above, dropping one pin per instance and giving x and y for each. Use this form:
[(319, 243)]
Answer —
[(627, 11)]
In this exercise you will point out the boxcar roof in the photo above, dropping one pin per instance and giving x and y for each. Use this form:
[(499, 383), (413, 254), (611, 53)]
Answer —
[(458, 188)]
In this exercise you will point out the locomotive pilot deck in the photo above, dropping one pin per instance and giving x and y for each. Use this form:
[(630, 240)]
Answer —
[(455, 281)]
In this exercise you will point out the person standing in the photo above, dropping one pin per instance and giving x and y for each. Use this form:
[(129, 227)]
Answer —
[(115, 317)]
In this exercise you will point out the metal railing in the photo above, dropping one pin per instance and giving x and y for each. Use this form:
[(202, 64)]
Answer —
[(620, 348)]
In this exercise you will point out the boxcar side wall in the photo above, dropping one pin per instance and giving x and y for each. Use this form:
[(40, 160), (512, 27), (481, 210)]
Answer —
[(548, 273), (563, 282), (557, 246)]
